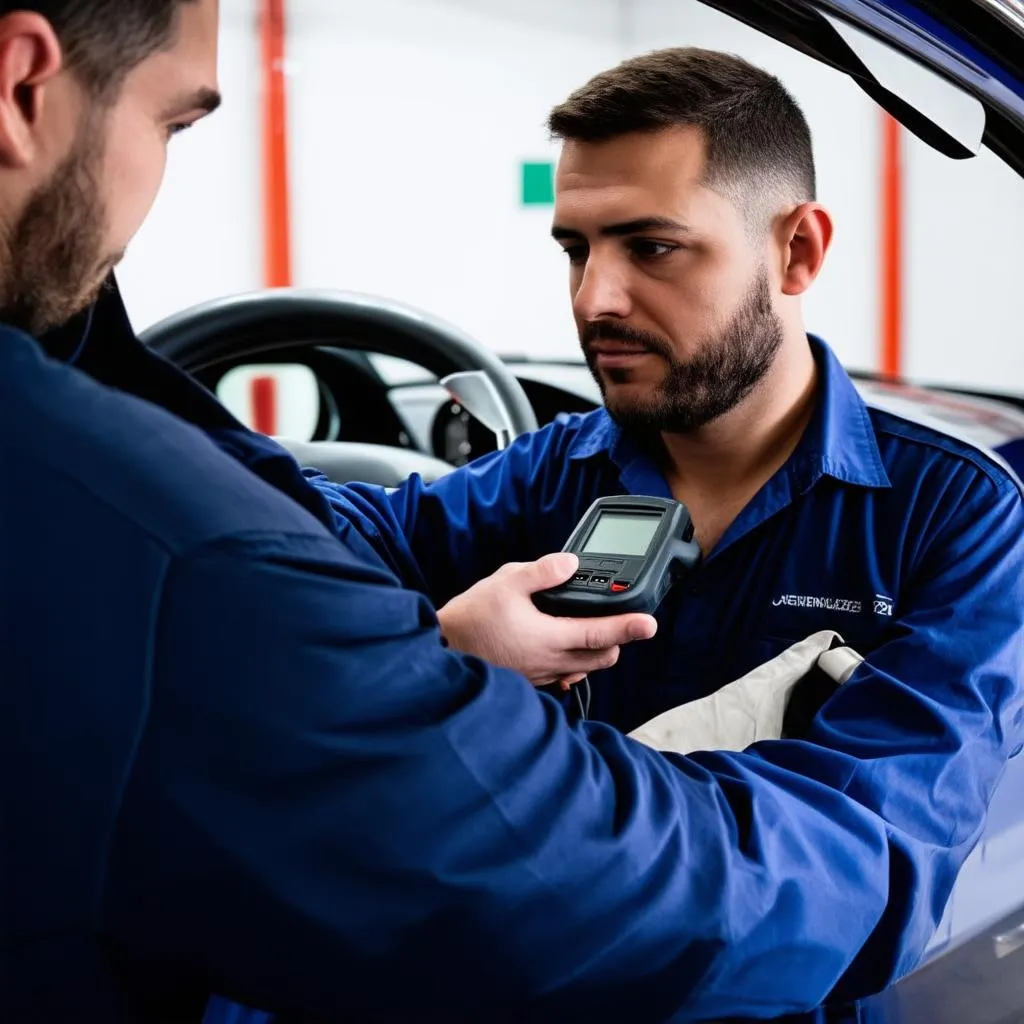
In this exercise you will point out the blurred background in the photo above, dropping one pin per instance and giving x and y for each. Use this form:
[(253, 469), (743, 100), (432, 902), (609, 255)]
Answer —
[(418, 168)]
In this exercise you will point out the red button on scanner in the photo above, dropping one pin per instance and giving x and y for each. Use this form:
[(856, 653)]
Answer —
[(618, 587)]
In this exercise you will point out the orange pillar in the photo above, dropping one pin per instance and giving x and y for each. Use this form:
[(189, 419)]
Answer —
[(276, 198), (891, 299)]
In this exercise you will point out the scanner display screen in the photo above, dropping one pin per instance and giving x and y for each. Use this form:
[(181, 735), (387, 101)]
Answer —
[(617, 534)]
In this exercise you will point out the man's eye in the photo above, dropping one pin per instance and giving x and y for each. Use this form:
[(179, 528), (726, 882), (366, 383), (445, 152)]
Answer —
[(576, 253), (648, 249)]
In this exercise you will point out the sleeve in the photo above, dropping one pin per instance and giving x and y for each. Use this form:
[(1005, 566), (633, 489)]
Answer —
[(920, 734), (441, 538), (329, 813)]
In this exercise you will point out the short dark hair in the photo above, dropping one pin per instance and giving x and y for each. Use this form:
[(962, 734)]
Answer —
[(757, 139), (103, 40)]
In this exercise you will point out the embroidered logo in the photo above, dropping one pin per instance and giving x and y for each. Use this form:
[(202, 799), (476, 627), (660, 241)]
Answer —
[(882, 605), (830, 604)]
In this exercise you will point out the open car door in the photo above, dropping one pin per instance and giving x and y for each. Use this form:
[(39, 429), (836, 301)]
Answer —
[(951, 73)]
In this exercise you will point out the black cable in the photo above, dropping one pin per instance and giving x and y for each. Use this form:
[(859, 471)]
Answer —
[(581, 710), (582, 699)]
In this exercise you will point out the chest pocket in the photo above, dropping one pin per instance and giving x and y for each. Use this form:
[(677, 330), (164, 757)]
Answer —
[(733, 615), (791, 599), (864, 631)]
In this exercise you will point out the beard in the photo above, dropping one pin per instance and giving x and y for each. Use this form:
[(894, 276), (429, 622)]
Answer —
[(52, 264), (725, 369)]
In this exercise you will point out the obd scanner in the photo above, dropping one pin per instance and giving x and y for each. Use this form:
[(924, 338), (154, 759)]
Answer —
[(631, 550)]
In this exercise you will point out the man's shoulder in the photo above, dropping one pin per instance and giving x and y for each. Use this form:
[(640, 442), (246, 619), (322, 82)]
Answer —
[(104, 449), (913, 446), (575, 435)]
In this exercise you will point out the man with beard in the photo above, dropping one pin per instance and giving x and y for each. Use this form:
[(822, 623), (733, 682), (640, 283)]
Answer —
[(238, 757), (685, 203)]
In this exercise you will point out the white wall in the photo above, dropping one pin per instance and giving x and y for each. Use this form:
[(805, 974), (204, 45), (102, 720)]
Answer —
[(964, 270), (408, 123)]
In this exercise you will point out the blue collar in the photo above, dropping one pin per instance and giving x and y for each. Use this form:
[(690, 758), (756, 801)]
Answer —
[(839, 441)]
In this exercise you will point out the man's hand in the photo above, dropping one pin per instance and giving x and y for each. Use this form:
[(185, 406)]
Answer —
[(497, 620)]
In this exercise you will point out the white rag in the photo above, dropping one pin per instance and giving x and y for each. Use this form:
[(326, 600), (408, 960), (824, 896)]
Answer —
[(751, 708)]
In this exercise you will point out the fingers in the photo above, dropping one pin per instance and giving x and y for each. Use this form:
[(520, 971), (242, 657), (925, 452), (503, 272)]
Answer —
[(567, 668), (599, 634), (589, 645), (585, 661), (568, 682), (549, 571)]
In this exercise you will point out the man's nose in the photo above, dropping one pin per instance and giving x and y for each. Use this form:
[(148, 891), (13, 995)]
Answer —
[(603, 291)]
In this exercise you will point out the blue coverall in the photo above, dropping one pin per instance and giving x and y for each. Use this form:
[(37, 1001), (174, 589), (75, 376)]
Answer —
[(238, 759)]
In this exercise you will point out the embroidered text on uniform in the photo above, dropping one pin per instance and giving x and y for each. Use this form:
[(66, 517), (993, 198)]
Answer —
[(831, 604)]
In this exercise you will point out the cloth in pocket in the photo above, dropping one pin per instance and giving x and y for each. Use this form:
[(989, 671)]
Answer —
[(759, 705)]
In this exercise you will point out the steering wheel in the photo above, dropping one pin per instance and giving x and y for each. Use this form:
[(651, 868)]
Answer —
[(284, 318)]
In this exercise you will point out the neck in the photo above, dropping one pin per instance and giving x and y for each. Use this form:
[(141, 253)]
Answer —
[(745, 447)]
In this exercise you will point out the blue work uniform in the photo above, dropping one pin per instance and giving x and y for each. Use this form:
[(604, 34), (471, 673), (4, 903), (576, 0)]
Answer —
[(906, 541), (843, 536), (238, 759)]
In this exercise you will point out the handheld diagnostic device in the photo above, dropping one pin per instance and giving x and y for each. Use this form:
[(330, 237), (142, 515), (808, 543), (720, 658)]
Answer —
[(631, 550)]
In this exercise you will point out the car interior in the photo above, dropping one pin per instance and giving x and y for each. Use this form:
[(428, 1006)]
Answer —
[(382, 412)]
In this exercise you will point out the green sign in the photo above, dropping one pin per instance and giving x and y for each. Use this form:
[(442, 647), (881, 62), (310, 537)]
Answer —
[(538, 184)]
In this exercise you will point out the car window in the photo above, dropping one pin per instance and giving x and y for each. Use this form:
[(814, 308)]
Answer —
[(279, 399)]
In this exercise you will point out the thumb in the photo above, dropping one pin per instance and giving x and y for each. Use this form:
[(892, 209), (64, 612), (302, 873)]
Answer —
[(549, 571)]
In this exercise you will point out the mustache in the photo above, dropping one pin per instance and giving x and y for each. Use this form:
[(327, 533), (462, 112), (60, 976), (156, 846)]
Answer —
[(610, 330)]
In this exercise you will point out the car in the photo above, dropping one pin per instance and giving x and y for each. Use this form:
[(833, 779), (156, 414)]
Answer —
[(395, 391)]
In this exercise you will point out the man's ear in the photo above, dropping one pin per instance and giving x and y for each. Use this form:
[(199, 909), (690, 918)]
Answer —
[(30, 58), (804, 236)]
